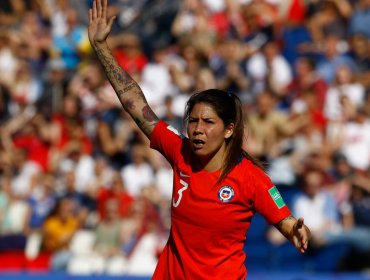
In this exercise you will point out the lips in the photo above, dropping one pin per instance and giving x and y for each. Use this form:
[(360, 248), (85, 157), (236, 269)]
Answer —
[(197, 143)]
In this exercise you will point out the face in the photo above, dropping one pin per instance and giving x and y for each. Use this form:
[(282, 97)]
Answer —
[(344, 74), (313, 182), (207, 132)]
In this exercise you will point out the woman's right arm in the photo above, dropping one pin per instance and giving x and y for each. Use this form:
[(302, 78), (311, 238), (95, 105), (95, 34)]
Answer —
[(127, 90)]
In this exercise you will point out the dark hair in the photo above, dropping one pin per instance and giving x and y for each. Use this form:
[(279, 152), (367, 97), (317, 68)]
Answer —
[(229, 108)]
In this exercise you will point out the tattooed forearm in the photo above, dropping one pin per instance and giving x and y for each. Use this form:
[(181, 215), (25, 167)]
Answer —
[(146, 127), (129, 104), (148, 114), (285, 226), (116, 75), (128, 91), (131, 86), (280, 224)]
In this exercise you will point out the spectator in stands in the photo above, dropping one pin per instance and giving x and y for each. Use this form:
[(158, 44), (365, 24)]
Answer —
[(58, 231), (69, 127), (317, 206), (71, 45), (8, 58), (266, 125), (82, 203), (170, 116), (4, 104), (358, 51), (129, 54), (360, 18), (54, 88), (193, 27), (142, 233), (334, 55), (101, 178), (306, 78), (329, 18), (356, 234), (229, 67), (309, 138), (137, 174), (269, 69), (156, 77), (353, 140), (24, 90), (339, 180), (344, 96), (106, 255), (41, 202), (81, 164), (114, 191), (24, 173), (13, 219)]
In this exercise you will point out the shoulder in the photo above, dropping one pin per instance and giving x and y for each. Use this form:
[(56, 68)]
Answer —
[(164, 128), (251, 173)]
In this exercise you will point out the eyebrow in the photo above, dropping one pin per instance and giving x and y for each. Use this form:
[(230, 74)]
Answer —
[(205, 119)]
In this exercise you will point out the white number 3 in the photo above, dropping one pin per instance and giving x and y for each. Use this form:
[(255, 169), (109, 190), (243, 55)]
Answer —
[(185, 186)]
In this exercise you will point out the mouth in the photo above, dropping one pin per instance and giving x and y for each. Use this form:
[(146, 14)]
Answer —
[(198, 144)]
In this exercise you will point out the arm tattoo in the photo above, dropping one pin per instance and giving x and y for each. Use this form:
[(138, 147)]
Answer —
[(115, 74), (279, 224), (128, 92), (148, 114), (129, 104), (144, 127), (126, 89)]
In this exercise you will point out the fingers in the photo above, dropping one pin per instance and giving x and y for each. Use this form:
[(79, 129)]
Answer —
[(90, 16), (104, 11), (99, 8), (305, 244), (304, 247), (94, 12)]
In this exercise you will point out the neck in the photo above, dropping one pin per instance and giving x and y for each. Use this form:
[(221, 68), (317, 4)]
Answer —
[(213, 162), (211, 165)]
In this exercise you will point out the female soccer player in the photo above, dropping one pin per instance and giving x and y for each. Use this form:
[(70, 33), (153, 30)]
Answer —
[(217, 187)]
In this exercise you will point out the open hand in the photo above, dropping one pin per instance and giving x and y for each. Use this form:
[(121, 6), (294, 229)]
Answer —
[(300, 235), (99, 25)]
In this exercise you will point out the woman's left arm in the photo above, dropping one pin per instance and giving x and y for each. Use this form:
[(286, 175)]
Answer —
[(295, 231)]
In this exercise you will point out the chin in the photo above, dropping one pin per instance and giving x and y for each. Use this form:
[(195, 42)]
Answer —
[(201, 153)]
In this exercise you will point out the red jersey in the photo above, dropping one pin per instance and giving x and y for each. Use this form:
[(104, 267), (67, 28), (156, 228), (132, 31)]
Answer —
[(209, 221)]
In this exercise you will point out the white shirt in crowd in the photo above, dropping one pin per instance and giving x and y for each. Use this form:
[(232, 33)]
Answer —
[(356, 144), (136, 177), (333, 108)]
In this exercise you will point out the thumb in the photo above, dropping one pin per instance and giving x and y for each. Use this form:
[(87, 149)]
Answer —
[(299, 223), (110, 21)]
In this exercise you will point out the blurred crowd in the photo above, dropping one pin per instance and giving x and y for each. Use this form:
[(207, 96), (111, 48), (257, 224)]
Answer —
[(78, 179)]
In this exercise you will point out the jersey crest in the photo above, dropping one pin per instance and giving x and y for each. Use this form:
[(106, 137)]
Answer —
[(226, 194)]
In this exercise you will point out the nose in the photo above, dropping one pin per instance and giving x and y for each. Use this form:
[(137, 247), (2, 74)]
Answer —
[(198, 128)]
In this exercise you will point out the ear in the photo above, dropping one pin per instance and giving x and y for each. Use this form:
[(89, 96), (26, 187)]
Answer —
[(229, 130)]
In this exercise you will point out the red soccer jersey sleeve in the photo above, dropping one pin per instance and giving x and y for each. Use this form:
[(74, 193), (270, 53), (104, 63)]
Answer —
[(267, 199), (167, 140)]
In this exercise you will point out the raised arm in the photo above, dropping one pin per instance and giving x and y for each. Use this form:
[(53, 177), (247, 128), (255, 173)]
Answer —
[(295, 231), (127, 90)]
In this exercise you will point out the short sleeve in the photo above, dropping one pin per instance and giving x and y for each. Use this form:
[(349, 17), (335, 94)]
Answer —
[(166, 140), (268, 200)]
